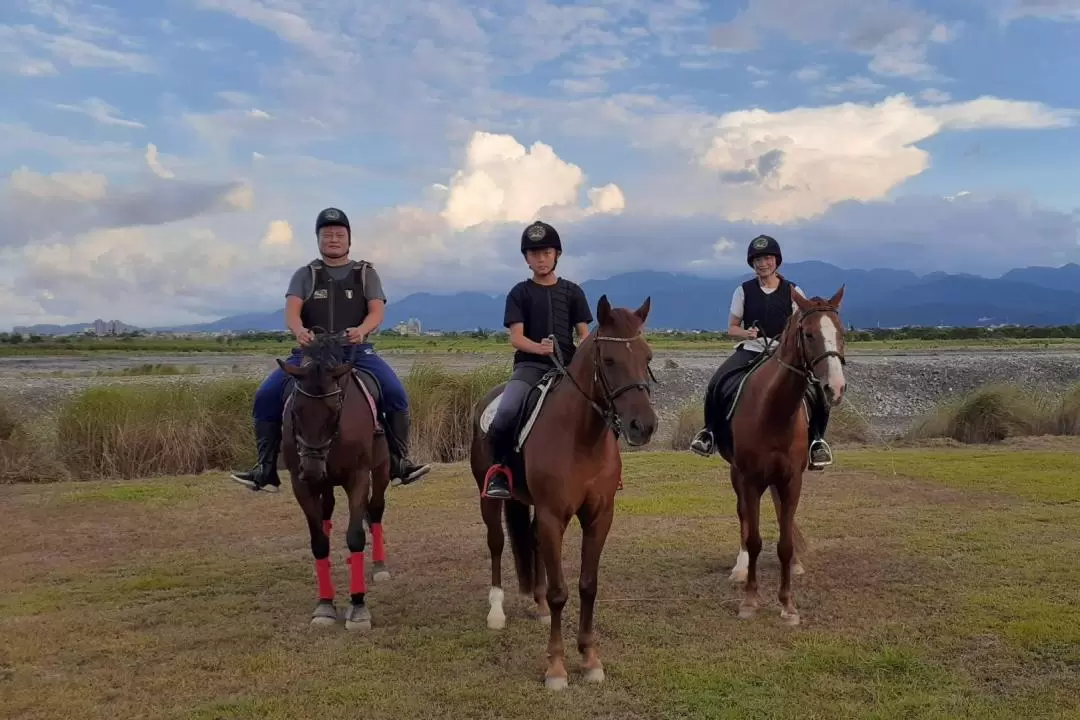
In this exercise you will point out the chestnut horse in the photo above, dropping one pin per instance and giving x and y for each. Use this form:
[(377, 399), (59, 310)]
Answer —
[(570, 466), (768, 438), (330, 438)]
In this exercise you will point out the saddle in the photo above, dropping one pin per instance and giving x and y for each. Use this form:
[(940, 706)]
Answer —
[(726, 396), (527, 413)]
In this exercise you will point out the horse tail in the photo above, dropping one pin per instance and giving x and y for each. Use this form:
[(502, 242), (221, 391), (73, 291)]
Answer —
[(522, 543)]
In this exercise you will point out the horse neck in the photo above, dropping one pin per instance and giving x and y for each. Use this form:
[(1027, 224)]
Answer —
[(587, 424), (784, 391)]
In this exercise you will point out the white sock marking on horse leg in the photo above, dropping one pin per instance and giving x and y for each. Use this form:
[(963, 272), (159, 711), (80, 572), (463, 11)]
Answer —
[(742, 563), (835, 379), (496, 619)]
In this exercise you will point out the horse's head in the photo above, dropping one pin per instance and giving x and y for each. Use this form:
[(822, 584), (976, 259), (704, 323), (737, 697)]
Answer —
[(316, 403), (818, 335), (621, 359)]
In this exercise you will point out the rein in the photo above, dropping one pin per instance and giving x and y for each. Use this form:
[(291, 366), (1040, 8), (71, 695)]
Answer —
[(609, 414), (807, 369), (319, 451)]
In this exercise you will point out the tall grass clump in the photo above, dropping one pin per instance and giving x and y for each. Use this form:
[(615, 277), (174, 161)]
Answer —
[(988, 415), (441, 405), (690, 419), (1065, 417), (147, 430), (23, 454)]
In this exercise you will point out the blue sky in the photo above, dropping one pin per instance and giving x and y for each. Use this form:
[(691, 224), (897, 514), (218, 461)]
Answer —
[(169, 168)]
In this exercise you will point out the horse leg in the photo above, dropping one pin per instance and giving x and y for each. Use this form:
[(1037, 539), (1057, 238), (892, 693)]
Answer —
[(799, 544), (789, 501), (594, 531), (551, 530), (328, 511), (313, 505), (357, 617), (491, 511), (750, 498), (540, 589), (380, 480), (738, 573)]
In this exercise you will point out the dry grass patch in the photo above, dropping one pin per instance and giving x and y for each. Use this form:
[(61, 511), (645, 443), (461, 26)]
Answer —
[(195, 604)]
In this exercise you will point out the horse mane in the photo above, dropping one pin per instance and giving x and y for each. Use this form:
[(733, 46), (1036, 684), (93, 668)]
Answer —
[(322, 355)]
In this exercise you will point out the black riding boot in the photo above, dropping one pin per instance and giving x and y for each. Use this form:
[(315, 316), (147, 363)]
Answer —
[(497, 486), (401, 468), (264, 475), (820, 452)]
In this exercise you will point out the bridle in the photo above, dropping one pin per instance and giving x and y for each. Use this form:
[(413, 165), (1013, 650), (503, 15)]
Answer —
[(807, 368), (608, 412), (318, 451)]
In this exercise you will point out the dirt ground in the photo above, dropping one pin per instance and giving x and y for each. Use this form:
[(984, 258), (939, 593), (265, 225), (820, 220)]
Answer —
[(930, 596)]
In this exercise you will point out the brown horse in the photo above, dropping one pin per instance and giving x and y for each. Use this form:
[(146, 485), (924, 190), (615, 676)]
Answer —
[(570, 466), (768, 441), (331, 438)]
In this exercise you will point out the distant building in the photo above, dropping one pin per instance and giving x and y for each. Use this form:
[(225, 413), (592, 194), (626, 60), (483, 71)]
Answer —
[(409, 327)]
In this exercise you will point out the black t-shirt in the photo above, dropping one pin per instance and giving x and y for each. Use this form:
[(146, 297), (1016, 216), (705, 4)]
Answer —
[(545, 310)]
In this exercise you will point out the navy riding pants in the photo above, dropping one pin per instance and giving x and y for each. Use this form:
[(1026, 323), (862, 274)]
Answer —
[(270, 397)]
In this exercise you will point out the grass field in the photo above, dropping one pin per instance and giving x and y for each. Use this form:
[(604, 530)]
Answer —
[(495, 344), (940, 584)]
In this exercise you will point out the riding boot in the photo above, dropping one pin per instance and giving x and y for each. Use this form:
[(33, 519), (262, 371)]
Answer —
[(497, 481), (703, 443), (820, 452), (401, 468), (263, 475)]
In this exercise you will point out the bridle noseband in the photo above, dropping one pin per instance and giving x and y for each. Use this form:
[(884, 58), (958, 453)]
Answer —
[(609, 414), (318, 451)]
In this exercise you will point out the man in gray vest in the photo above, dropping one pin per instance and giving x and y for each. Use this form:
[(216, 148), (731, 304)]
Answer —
[(337, 294)]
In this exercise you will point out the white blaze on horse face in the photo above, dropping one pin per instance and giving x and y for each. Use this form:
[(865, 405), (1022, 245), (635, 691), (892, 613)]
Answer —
[(835, 378)]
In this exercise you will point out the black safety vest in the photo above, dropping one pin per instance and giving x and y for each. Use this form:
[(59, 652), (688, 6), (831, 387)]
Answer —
[(335, 305), (771, 311)]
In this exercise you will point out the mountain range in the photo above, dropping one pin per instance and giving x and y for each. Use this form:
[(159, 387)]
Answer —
[(1038, 296)]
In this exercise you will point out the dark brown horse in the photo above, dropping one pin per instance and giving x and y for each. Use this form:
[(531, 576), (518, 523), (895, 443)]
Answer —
[(770, 442), (570, 466), (330, 438)]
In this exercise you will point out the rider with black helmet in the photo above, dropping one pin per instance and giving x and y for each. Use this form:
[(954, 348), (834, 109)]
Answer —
[(538, 307), (337, 294), (760, 307)]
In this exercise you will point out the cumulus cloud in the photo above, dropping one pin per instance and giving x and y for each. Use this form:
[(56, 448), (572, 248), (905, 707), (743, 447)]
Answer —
[(782, 166), (502, 181), (154, 163)]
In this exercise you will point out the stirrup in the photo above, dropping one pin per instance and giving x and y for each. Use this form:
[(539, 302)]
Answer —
[(821, 445), (703, 438), (492, 471)]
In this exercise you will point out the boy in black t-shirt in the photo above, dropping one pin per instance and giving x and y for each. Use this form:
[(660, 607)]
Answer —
[(535, 308)]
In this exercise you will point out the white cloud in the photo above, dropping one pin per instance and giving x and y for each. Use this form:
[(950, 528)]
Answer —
[(154, 163), (278, 233), (853, 84), (502, 181), (1060, 10), (100, 111), (58, 186)]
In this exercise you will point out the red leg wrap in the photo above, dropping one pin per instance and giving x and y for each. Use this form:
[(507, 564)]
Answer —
[(357, 582), (326, 583), (378, 550)]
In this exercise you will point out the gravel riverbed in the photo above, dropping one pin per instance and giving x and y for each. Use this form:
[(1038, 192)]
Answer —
[(888, 389)]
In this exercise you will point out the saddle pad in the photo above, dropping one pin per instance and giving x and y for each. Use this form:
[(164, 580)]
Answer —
[(488, 415)]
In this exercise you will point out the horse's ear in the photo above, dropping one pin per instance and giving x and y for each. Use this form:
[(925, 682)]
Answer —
[(643, 311), (802, 302), (340, 370), (290, 369), (835, 299), (603, 311)]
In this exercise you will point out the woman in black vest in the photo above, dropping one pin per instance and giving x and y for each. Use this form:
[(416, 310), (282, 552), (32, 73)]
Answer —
[(760, 308)]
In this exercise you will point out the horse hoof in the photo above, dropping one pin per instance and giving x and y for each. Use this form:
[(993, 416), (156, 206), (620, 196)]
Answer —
[(791, 619), (594, 675), (556, 683), (325, 614), (496, 621), (358, 617), (381, 576)]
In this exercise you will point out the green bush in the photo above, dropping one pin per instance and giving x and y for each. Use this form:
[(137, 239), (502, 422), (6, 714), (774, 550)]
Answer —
[(988, 415)]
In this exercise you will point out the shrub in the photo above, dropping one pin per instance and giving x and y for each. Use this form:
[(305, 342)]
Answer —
[(691, 418), (988, 415), (145, 430), (24, 456)]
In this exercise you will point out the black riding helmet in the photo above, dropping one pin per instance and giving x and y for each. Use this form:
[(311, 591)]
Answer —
[(763, 245), (332, 216), (540, 235)]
